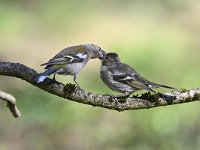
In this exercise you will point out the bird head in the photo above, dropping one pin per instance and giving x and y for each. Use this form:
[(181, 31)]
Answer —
[(95, 51), (110, 59)]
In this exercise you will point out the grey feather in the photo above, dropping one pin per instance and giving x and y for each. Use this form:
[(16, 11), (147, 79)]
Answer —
[(123, 78)]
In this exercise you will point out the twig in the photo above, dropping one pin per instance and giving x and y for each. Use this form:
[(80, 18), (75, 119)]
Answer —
[(11, 103)]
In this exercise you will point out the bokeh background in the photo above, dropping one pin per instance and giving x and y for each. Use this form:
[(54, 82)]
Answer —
[(159, 38)]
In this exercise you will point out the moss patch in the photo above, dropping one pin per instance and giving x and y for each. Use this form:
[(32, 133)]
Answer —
[(69, 88), (148, 96)]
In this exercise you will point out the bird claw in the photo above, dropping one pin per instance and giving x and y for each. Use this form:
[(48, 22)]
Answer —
[(77, 85)]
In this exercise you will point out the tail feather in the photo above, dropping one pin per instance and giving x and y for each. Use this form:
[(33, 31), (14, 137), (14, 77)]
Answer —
[(165, 86), (41, 77), (44, 64), (152, 84)]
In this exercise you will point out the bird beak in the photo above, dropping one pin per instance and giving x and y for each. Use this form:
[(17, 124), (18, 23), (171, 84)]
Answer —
[(102, 54)]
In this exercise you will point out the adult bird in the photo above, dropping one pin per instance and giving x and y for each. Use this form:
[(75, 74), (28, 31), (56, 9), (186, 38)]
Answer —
[(70, 61)]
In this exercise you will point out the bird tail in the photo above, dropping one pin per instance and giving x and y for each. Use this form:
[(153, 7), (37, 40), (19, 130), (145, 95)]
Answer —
[(150, 84), (165, 86), (42, 76)]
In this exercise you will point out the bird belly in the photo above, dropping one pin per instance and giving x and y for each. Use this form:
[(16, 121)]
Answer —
[(62, 72), (74, 68), (107, 78), (120, 87)]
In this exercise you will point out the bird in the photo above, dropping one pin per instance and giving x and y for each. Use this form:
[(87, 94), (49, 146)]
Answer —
[(123, 78), (70, 61)]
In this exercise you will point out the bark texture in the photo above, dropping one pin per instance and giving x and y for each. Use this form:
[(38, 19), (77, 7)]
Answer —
[(73, 93), (11, 103)]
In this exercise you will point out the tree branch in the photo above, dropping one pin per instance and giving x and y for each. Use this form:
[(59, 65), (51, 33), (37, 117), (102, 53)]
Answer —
[(11, 103), (73, 93)]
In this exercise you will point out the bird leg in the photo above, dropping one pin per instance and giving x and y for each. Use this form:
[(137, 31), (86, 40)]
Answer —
[(54, 77), (76, 81)]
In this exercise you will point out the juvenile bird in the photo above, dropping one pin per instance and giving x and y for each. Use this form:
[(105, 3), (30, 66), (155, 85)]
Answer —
[(70, 61), (122, 78)]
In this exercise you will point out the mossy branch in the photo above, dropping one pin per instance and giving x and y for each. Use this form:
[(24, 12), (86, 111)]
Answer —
[(73, 93)]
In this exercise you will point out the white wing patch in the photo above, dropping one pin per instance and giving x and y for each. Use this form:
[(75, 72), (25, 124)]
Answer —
[(70, 57), (150, 86), (127, 78), (81, 55)]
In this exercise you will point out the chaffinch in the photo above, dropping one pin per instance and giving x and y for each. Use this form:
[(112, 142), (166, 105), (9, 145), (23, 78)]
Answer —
[(122, 78), (70, 61)]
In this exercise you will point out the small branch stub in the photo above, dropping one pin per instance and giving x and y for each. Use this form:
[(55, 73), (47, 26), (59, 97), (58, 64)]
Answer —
[(11, 103)]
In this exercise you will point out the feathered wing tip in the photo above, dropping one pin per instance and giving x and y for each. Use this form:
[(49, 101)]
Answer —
[(41, 77), (153, 84), (168, 87), (44, 64)]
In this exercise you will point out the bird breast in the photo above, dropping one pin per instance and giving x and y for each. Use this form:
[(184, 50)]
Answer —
[(74, 68), (107, 78)]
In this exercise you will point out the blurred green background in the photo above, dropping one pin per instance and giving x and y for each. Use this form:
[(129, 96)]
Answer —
[(159, 38)]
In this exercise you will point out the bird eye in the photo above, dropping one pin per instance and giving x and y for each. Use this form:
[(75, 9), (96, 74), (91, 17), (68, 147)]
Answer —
[(103, 53)]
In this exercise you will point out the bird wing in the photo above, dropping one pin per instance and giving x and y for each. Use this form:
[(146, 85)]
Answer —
[(72, 51), (151, 84), (139, 78), (73, 54), (65, 59), (120, 73), (127, 75)]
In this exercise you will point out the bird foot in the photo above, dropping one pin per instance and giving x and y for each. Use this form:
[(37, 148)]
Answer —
[(53, 79), (77, 85)]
